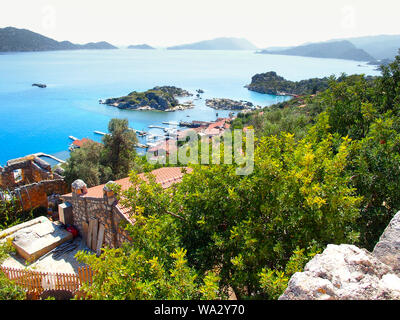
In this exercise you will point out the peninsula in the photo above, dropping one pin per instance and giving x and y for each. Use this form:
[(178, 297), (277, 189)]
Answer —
[(271, 83), (332, 49), (22, 40), (162, 98)]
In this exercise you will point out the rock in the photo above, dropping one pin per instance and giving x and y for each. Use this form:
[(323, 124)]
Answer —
[(40, 85), (344, 272), (387, 250)]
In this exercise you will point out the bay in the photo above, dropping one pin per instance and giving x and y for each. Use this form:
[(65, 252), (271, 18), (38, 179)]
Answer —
[(41, 120)]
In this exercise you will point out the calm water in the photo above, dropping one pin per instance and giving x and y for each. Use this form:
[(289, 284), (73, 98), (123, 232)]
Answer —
[(40, 120)]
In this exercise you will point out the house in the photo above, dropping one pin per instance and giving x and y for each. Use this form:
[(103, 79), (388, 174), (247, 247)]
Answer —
[(98, 206), (79, 143)]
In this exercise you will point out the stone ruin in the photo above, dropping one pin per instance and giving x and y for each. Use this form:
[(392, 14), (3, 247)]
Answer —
[(346, 272), (33, 182)]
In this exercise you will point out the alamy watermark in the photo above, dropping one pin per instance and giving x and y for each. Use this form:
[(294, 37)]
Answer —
[(232, 147)]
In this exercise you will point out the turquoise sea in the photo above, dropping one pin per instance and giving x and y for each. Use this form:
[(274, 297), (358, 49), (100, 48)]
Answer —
[(41, 120)]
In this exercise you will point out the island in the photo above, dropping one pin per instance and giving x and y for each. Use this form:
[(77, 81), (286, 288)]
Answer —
[(39, 85), (271, 83), (141, 47), (229, 104), (160, 98)]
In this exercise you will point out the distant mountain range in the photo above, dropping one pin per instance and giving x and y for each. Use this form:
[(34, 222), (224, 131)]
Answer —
[(374, 49), (380, 47), (141, 46), (336, 50), (18, 40), (217, 44), (368, 48)]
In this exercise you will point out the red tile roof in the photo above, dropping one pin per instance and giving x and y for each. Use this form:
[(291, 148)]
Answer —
[(165, 176), (79, 143)]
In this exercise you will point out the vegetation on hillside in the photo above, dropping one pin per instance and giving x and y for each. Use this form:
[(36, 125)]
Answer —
[(326, 171), (158, 98)]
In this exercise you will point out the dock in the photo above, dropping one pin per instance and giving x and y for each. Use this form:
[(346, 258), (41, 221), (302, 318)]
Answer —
[(141, 133), (100, 133), (171, 123), (73, 138), (155, 126)]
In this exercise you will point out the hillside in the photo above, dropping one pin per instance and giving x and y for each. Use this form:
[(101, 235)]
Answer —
[(380, 47), (217, 44), (271, 83), (335, 50), (18, 40)]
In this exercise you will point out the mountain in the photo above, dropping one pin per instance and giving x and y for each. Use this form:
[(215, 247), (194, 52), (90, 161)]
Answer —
[(17, 40), (380, 47), (141, 46), (334, 49), (217, 44)]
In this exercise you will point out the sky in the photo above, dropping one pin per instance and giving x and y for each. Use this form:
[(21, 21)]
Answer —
[(170, 22)]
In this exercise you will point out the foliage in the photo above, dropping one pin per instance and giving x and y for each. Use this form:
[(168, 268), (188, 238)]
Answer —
[(8, 289), (119, 148), (153, 266), (97, 163), (298, 195), (271, 83)]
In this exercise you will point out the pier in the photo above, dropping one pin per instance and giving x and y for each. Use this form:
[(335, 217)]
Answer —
[(155, 126), (100, 133)]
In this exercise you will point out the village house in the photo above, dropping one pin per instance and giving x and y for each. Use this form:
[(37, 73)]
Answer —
[(97, 214)]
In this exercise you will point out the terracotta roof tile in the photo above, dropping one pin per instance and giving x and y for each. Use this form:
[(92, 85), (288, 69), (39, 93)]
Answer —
[(165, 176)]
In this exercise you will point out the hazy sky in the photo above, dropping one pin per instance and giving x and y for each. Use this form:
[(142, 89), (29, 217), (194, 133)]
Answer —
[(169, 22)]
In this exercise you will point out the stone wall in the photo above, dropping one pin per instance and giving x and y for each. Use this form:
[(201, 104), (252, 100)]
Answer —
[(85, 208), (348, 272), (37, 181), (34, 195), (32, 169)]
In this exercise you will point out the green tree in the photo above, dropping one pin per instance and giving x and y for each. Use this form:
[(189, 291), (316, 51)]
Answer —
[(299, 195), (152, 266), (119, 148), (86, 163)]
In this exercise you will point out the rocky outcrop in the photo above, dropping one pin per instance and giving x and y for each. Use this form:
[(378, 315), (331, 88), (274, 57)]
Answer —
[(348, 272), (387, 249), (229, 104), (159, 98)]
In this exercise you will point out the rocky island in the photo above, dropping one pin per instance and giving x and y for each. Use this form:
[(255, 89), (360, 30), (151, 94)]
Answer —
[(229, 104), (162, 98)]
